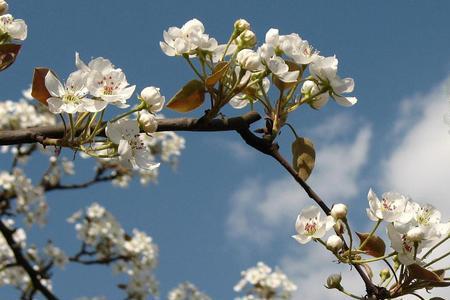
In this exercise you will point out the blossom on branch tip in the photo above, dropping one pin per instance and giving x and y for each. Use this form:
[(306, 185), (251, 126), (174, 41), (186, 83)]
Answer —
[(324, 69), (312, 224), (187, 39)]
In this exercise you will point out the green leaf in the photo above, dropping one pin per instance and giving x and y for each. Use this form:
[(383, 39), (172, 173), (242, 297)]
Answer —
[(303, 157), (217, 74), (190, 97), (8, 55), (38, 89), (375, 246)]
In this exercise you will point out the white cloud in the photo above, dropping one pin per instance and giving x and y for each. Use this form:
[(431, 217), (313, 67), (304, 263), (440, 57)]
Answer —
[(419, 164), (261, 210)]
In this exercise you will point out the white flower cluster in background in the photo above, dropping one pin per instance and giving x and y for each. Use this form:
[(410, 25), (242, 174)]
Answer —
[(30, 199), (135, 255), (187, 291), (263, 283), (15, 275), (21, 114)]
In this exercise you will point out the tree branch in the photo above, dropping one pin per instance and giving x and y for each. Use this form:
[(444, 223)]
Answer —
[(34, 275), (38, 134)]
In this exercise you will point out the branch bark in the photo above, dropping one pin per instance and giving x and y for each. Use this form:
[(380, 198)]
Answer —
[(34, 275), (38, 134)]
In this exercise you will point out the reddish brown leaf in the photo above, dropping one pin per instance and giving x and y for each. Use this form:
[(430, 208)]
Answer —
[(8, 55), (375, 246), (418, 272), (38, 89), (189, 97)]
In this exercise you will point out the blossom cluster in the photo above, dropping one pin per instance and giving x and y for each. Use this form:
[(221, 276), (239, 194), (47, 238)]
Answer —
[(30, 199), (187, 291), (414, 231), (261, 282), (281, 57), (135, 255), (13, 274)]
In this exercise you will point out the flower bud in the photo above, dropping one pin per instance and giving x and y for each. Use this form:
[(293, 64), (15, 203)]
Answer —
[(334, 243), (415, 234), (153, 99), (3, 7), (339, 227), (334, 282), (246, 39), (339, 211), (147, 122), (249, 60), (241, 25), (385, 275)]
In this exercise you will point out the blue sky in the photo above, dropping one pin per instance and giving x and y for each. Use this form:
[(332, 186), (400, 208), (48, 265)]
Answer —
[(226, 207)]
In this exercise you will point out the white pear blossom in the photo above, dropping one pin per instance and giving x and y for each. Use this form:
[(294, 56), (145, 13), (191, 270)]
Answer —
[(15, 28), (408, 246), (250, 60), (67, 98), (325, 70), (105, 82), (125, 133), (153, 99), (187, 39), (299, 50), (101, 232), (187, 291), (312, 224), (391, 208), (262, 281)]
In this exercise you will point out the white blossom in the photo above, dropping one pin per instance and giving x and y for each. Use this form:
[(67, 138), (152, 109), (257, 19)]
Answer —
[(67, 98), (187, 291), (15, 28), (187, 39), (125, 133), (261, 281), (105, 82), (312, 224), (324, 69), (391, 208)]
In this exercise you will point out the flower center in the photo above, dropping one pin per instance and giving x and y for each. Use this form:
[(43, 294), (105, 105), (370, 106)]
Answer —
[(387, 205), (407, 246), (311, 226), (71, 98), (109, 85), (424, 216)]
